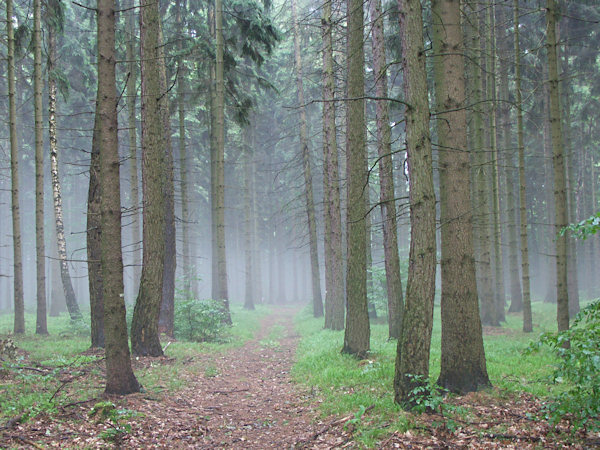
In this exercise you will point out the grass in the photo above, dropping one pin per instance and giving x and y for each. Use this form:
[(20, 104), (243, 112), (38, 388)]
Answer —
[(346, 385), (34, 382)]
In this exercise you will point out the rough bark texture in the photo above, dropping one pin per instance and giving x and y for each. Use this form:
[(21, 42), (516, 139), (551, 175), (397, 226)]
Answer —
[(134, 194), (119, 375), (357, 333), (61, 242), (167, 304), (248, 220), (386, 178), (527, 320), (93, 239), (218, 184), (334, 275), (560, 197), (317, 300), (463, 366), (40, 251), (412, 356), (144, 328), (19, 306)]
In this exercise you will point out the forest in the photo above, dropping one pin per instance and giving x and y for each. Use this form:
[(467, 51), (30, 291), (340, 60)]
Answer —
[(299, 224)]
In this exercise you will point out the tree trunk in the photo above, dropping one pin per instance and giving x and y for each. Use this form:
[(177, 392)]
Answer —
[(463, 365), (119, 375), (527, 320), (61, 242), (412, 356), (248, 219), (19, 306), (308, 188), (481, 175), (133, 164), (144, 328), (500, 297), (386, 178), (167, 304), (357, 333), (560, 197), (334, 279), (40, 326)]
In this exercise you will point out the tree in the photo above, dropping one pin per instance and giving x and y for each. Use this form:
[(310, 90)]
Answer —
[(334, 276), (40, 326), (527, 321), (357, 333), (119, 375), (386, 177), (308, 188), (144, 327), (19, 319), (54, 19), (412, 356), (560, 197), (463, 365)]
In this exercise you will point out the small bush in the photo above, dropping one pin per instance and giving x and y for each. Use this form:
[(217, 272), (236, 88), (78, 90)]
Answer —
[(200, 320), (578, 367)]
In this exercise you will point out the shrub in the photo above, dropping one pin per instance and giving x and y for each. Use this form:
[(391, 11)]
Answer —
[(578, 368), (199, 320)]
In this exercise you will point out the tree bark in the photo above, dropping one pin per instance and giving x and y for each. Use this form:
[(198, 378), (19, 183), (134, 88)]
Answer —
[(560, 197), (61, 242), (357, 333), (119, 375), (248, 219), (40, 326), (463, 365), (527, 320), (334, 279), (412, 356), (386, 177), (144, 328), (19, 305), (308, 188)]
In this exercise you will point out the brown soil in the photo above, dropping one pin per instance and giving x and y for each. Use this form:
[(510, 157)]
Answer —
[(245, 398)]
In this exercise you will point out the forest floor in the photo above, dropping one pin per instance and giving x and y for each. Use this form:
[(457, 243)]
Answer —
[(245, 398)]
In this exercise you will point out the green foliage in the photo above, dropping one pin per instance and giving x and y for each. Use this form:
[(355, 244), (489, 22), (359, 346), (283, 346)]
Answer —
[(578, 368), (116, 418), (426, 396), (377, 295), (585, 228), (199, 320)]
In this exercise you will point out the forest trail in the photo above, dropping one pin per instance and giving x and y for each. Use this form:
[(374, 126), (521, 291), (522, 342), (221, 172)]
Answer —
[(241, 398)]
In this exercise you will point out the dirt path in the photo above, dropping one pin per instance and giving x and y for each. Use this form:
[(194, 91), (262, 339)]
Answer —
[(243, 398)]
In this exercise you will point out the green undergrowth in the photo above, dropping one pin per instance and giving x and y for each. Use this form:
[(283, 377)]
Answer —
[(46, 373), (346, 385)]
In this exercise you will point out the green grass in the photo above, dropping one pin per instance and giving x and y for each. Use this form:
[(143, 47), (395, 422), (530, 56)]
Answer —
[(28, 383), (345, 384)]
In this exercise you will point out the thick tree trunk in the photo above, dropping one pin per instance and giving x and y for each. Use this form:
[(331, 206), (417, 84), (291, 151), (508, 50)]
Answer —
[(248, 219), (357, 333), (463, 365), (144, 328), (308, 188), (527, 320), (412, 356), (334, 278), (386, 178), (61, 242), (119, 375), (19, 305), (560, 197), (40, 326), (167, 304)]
